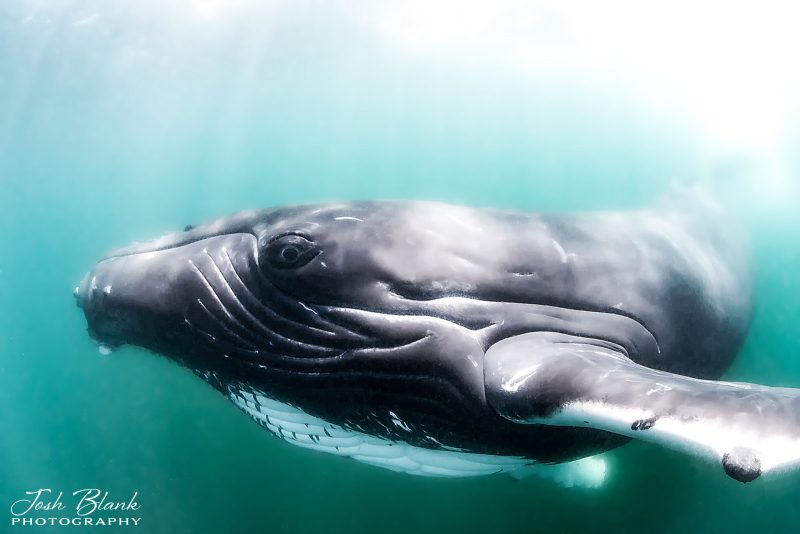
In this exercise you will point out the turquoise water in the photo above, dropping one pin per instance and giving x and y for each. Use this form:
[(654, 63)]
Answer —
[(118, 125)]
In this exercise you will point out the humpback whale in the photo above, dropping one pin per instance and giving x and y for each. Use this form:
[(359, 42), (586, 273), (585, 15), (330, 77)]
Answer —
[(444, 340)]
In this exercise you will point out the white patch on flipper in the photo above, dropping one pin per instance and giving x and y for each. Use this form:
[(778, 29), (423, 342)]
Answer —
[(706, 438), (299, 428), (519, 378)]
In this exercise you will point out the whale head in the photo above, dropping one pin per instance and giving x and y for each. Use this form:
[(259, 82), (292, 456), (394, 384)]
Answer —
[(338, 294)]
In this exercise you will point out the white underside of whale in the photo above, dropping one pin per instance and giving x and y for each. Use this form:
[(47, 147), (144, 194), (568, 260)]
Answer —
[(299, 428)]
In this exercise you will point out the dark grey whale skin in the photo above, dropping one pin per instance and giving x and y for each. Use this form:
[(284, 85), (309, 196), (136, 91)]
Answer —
[(352, 310)]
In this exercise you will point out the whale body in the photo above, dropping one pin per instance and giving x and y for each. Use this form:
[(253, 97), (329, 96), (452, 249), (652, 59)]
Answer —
[(452, 341)]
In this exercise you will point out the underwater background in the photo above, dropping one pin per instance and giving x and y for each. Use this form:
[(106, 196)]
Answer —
[(121, 121)]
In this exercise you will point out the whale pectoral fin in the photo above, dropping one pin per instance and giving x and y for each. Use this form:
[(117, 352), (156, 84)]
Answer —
[(749, 429)]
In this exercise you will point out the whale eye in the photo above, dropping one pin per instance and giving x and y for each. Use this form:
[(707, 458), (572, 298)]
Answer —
[(290, 251)]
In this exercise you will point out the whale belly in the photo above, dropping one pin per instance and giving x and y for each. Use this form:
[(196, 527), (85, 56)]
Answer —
[(305, 430)]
